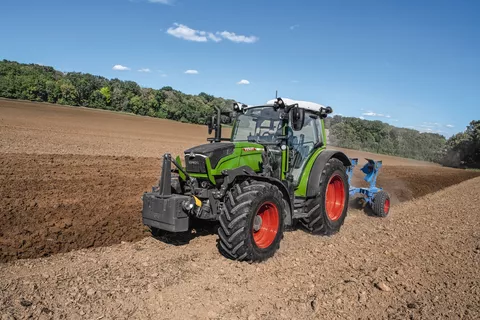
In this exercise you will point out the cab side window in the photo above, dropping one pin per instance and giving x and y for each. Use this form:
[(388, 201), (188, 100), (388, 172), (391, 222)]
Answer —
[(305, 139), (302, 143)]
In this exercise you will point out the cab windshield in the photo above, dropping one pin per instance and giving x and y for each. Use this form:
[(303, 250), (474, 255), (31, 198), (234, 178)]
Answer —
[(257, 125)]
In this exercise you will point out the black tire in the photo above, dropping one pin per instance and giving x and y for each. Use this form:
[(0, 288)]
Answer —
[(236, 232), (381, 204), (318, 220)]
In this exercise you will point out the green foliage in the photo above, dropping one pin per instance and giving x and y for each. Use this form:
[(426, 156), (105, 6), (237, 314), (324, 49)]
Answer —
[(463, 149), (98, 100), (40, 83), (105, 91), (379, 137)]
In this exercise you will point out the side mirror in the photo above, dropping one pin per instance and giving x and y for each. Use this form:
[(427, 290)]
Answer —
[(298, 118), (325, 111)]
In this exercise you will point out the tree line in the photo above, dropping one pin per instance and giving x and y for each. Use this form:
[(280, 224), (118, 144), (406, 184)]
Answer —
[(42, 83), (461, 150), (380, 137)]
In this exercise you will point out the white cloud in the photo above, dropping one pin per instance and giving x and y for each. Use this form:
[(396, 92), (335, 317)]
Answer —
[(449, 126), (243, 81), (295, 26), (237, 38), (430, 130), (362, 118), (373, 114), (144, 70), (191, 72), (183, 32), (428, 127), (119, 67), (213, 37)]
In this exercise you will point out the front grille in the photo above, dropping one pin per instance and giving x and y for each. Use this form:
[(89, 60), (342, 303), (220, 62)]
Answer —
[(195, 164), (216, 156)]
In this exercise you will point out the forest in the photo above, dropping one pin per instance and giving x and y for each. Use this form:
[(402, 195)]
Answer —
[(41, 83), (45, 84)]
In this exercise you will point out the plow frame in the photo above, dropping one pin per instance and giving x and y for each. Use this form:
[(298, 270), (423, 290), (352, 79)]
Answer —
[(370, 169)]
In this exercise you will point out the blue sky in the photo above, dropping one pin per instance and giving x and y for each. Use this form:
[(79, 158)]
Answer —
[(409, 63)]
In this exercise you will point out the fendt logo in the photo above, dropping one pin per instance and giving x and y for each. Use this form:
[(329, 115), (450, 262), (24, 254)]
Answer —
[(193, 162), (252, 149)]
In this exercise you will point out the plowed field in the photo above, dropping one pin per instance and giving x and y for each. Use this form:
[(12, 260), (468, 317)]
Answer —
[(71, 178)]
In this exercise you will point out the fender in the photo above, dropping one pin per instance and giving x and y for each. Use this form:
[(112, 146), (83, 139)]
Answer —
[(313, 185), (243, 172)]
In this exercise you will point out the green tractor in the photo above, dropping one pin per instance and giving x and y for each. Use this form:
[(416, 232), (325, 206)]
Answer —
[(272, 173)]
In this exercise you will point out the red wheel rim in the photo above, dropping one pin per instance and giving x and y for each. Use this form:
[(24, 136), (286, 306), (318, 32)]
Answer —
[(386, 206), (335, 198), (265, 225)]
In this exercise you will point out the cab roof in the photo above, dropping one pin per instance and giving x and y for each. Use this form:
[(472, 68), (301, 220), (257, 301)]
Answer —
[(307, 105)]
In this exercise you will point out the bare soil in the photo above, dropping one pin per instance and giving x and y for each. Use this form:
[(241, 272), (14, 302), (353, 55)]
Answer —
[(58, 203), (71, 179), (420, 263)]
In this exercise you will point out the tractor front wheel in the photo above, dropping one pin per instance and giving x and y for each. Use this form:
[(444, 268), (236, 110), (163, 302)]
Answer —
[(328, 210), (251, 222)]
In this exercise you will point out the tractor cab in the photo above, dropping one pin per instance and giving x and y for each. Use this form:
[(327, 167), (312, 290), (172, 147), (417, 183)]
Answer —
[(289, 130)]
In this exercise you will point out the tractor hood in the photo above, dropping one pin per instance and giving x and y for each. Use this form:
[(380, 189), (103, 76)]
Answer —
[(214, 151), (222, 155)]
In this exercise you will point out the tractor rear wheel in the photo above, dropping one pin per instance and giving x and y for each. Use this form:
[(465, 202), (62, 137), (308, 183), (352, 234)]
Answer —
[(251, 221), (381, 204), (328, 210)]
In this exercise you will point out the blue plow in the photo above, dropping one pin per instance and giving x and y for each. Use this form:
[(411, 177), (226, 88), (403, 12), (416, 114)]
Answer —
[(370, 169)]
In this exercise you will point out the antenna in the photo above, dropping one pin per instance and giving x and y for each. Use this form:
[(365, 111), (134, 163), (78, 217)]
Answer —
[(276, 94)]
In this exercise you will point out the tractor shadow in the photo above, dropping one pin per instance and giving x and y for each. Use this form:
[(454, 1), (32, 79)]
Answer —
[(199, 228)]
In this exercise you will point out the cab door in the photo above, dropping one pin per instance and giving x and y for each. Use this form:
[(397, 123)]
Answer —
[(303, 143)]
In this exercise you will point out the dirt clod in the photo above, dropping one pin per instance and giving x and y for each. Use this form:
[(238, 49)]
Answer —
[(382, 286), (25, 303), (362, 297)]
